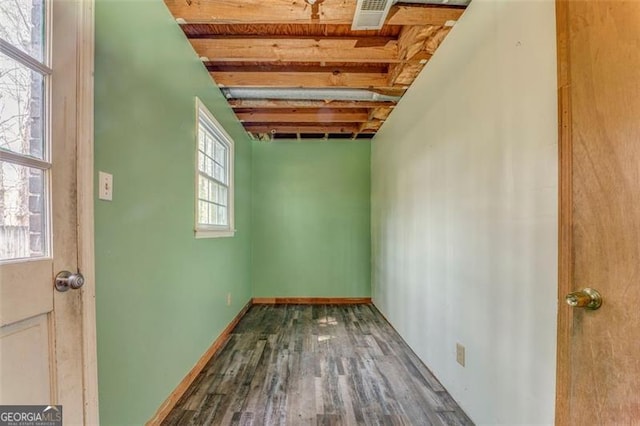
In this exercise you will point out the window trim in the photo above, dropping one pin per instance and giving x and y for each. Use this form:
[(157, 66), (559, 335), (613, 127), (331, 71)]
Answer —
[(214, 231)]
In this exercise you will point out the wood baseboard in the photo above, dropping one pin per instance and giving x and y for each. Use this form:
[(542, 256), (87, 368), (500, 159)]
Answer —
[(182, 387), (311, 300)]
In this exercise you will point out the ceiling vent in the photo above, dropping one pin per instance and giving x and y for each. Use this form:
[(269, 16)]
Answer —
[(371, 14)]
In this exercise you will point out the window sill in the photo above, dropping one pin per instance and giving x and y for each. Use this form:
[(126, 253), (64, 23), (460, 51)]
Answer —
[(208, 233)]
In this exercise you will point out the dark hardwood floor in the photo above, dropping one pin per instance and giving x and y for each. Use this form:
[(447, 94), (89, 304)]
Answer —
[(322, 364)]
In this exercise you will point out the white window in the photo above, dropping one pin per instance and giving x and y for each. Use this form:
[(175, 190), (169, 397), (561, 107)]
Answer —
[(214, 177), (24, 142)]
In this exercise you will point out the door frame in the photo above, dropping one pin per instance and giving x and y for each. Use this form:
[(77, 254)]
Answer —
[(565, 213), (85, 205)]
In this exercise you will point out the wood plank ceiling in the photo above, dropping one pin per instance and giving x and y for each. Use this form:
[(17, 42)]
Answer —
[(278, 61)]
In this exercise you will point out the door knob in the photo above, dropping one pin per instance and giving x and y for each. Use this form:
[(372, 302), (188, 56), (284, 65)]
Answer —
[(66, 280), (587, 298)]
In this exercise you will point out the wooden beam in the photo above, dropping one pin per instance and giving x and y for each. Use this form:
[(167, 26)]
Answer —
[(357, 39), (361, 68), (303, 116), (300, 79), (282, 103), (302, 128), (300, 12), (423, 15), (290, 30), (293, 50)]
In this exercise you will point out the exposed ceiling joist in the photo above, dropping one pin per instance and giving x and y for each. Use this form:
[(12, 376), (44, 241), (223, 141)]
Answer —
[(194, 31), (303, 128), (293, 50), (336, 67), (301, 12), (352, 38), (350, 115), (294, 70), (300, 79)]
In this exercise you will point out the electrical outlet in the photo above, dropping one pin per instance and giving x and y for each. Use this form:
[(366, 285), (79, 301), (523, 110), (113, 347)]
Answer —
[(460, 354), (228, 299), (105, 183)]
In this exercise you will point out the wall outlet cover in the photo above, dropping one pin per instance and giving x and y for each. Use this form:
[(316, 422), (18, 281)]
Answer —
[(105, 186), (460, 354)]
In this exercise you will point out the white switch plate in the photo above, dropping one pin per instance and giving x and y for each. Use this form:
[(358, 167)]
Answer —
[(105, 183)]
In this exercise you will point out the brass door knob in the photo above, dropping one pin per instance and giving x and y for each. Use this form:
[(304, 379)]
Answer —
[(587, 298)]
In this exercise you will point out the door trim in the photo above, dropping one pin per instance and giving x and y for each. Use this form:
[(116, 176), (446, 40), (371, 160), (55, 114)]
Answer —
[(85, 206), (565, 213)]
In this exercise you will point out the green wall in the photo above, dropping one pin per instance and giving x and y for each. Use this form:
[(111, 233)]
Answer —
[(302, 214), (310, 219), (161, 294)]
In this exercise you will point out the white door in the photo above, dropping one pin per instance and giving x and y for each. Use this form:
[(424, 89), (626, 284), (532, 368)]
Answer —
[(47, 337)]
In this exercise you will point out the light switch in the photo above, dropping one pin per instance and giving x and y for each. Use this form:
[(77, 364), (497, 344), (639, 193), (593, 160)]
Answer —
[(105, 182)]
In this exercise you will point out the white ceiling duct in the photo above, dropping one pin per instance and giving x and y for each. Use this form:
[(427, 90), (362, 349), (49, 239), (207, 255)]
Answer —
[(306, 94), (436, 2), (371, 14)]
